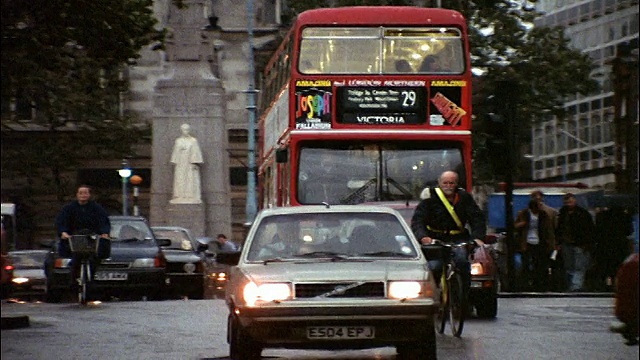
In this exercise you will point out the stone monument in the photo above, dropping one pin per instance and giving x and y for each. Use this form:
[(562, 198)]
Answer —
[(189, 191)]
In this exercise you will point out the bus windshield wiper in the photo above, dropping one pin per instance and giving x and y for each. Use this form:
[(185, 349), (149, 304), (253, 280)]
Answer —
[(399, 186), (358, 193)]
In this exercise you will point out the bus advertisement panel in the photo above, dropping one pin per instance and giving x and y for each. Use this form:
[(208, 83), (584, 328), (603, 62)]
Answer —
[(379, 104)]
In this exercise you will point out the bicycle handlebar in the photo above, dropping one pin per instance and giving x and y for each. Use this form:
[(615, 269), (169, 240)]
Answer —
[(453, 245)]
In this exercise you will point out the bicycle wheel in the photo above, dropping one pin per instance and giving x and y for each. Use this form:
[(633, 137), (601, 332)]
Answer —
[(457, 304), (443, 310), (82, 286)]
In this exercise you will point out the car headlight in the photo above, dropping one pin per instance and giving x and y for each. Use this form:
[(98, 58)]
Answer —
[(405, 289), (144, 263), (477, 269), (253, 293), (20, 280)]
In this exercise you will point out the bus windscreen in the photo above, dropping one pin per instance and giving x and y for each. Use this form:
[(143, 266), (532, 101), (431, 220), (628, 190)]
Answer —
[(367, 172)]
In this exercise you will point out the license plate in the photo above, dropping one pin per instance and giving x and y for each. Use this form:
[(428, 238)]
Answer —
[(340, 332), (108, 276)]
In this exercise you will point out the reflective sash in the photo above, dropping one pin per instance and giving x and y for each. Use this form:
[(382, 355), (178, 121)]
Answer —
[(449, 207)]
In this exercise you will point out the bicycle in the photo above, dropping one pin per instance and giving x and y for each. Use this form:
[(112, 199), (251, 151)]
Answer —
[(454, 300), (84, 248)]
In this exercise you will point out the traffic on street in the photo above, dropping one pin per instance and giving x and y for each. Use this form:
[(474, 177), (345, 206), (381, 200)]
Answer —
[(525, 328)]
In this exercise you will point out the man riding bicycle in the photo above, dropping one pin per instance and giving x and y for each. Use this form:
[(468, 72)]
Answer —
[(81, 216), (444, 214)]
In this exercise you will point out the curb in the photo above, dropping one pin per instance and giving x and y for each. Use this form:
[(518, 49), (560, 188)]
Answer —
[(555, 294), (14, 322)]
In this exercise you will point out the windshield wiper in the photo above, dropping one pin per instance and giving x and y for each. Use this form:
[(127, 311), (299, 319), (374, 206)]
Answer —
[(277, 259), (334, 256), (386, 254), (357, 196), (407, 194)]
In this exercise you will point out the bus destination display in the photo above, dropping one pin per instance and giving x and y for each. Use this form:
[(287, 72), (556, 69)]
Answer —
[(381, 105)]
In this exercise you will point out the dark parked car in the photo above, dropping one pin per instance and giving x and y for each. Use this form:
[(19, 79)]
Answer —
[(188, 266), (29, 278), (136, 267)]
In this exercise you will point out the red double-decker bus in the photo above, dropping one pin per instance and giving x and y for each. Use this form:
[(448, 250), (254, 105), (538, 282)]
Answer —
[(365, 104)]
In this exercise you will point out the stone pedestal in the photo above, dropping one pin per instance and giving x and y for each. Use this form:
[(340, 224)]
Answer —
[(190, 216)]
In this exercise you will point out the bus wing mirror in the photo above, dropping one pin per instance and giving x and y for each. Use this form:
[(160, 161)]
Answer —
[(282, 156)]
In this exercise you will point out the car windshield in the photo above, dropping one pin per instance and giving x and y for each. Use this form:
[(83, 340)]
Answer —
[(129, 230), (31, 260), (179, 239), (336, 236)]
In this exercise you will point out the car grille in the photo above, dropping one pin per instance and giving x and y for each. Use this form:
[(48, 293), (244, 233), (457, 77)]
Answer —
[(112, 265), (179, 267), (340, 290)]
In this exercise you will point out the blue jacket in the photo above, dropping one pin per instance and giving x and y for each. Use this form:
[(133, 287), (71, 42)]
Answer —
[(75, 217)]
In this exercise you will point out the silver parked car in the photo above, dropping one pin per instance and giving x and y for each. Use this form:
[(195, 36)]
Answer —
[(330, 277), (29, 277)]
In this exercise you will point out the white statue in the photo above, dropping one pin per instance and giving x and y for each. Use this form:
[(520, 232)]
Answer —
[(187, 158)]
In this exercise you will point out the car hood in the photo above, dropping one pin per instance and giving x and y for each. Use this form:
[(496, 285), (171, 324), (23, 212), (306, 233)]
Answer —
[(127, 250), (180, 256), (336, 271), (29, 273)]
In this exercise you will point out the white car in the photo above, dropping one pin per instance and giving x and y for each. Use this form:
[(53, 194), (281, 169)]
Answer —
[(330, 277)]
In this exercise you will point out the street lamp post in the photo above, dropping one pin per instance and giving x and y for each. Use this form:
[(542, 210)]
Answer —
[(135, 180), (124, 173)]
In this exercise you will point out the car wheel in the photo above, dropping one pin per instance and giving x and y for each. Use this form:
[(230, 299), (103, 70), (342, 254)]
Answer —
[(240, 345), (53, 296), (418, 350), (197, 294), (5, 291), (487, 307)]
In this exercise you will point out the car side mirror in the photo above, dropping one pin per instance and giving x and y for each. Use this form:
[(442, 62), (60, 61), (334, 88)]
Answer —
[(432, 251), (282, 156), (202, 247), (490, 239)]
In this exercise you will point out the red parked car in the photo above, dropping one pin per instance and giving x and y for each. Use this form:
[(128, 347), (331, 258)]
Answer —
[(626, 305), (6, 271)]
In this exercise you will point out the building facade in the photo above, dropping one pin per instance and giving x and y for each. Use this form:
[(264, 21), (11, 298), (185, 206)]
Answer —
[(597, 143)]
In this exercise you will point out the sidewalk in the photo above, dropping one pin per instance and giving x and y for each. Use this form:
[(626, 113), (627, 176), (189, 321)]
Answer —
[(554, 294)]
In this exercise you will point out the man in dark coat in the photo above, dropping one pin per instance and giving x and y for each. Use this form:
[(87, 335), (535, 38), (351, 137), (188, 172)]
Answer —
[(536, 241), (432, 220), (81, 216), (575, 235), (613, 226)]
